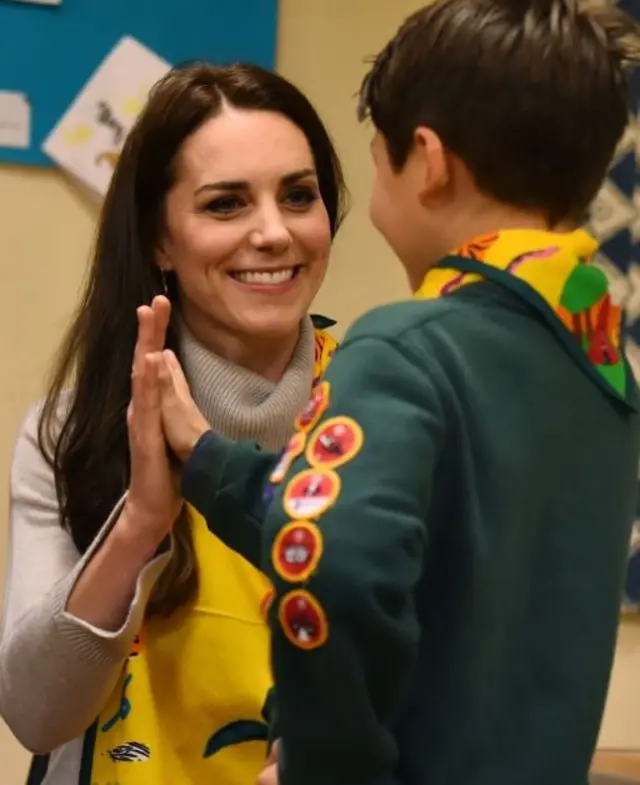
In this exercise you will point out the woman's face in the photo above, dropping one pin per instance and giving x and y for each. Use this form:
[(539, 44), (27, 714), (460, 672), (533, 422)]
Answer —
[(247, 233)]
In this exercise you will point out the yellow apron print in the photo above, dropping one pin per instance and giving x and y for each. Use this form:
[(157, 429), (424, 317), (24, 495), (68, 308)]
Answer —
[(188, 707)]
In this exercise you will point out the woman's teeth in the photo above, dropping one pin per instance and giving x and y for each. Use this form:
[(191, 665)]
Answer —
[(273, 277)]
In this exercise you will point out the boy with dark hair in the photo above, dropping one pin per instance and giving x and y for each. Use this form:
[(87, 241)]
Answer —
[(447, 531)]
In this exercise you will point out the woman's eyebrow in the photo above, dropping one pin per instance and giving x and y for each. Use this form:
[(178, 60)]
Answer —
[(243, 185)]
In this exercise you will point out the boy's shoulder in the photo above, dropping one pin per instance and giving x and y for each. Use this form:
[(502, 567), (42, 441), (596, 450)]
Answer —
[(408, 321), (403, 321)]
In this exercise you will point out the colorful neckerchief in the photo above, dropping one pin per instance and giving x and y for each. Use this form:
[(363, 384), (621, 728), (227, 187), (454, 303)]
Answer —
[(554, 273), (189, 706)]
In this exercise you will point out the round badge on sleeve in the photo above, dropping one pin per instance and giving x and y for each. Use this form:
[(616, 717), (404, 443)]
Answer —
[(297, 550), (303, 620), (265, 605), (310, 493), (335, 442), (314, 410), (294, 448)]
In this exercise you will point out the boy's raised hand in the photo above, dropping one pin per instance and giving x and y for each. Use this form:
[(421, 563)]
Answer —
[(182, 422)]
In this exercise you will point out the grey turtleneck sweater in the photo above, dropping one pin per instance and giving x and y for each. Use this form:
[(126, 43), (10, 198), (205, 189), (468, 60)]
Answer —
[(56, 671)]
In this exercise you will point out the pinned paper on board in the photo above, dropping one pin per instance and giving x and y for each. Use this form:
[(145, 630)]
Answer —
[(88, 139), (15, 120)]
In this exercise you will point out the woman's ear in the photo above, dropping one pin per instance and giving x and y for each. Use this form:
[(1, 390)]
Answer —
[(163, 258)]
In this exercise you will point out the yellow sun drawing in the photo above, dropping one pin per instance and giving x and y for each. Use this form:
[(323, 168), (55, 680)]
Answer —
[(132, 107), (78, 135)]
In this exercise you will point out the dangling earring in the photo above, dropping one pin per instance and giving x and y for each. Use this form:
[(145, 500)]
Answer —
[(163, 278)]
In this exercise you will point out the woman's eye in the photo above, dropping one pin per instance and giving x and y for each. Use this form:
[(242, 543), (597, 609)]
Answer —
[(225, 204), (301, 197)]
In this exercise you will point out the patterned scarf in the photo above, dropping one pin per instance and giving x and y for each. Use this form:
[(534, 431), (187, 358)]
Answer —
[(553, 272)]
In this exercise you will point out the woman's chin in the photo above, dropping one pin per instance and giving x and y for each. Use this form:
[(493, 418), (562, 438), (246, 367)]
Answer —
[(278, 325)]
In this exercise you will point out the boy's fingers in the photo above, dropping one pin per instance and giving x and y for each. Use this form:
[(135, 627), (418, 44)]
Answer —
[(268, 775), (165, 377), (175, 369)]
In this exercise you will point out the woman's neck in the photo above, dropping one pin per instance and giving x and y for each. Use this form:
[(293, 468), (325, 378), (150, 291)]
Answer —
[(266, 356), (241, 401)]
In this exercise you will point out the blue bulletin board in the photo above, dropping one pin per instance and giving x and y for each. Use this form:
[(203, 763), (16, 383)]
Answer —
[(48, 52)]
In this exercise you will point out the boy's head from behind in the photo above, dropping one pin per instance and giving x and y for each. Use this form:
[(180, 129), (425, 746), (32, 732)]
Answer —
[(490, 114)]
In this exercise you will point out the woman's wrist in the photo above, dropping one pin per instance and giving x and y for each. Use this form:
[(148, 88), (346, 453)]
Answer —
[(140, 531), (106, 588)]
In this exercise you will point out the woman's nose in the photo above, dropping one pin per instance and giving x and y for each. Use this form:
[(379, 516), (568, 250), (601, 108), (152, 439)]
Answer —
[(272, 233)]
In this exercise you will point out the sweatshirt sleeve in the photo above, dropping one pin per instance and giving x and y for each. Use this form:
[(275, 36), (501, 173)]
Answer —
[(56, 671), (344, 544), (228, 483)]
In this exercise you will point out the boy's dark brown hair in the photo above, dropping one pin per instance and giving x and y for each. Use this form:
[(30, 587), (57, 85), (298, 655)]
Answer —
[(530, 95)]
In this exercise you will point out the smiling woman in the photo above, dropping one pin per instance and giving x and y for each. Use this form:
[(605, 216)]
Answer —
[(247, 233), (133, 648)]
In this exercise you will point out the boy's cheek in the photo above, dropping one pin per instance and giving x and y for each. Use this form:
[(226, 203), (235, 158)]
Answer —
[(377, 211)]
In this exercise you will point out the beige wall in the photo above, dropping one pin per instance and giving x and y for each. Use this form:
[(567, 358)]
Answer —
[(46, 229)]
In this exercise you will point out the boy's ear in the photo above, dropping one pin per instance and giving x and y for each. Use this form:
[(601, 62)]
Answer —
[(432, 158)]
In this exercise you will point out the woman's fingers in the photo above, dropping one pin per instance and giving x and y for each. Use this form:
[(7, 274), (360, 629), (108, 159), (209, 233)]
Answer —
[(145, 342), (150, 388), (153, 322), (144, 417), (161, 307), (152, 492)]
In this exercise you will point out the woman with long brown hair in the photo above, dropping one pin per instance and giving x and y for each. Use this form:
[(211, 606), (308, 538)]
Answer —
[(133, 648)]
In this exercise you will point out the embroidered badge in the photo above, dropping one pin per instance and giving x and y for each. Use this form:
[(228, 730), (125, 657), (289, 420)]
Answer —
[(290, 453), (265, 605), (336, 442), (310, 493), (314, 410), (303, 620), (297, 550)]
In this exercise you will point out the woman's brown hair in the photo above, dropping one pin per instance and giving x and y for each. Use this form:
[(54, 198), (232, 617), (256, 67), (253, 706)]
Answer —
[(82, 431)]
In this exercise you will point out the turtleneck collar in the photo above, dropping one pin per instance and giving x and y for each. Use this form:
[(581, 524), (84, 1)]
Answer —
[(240, 403)]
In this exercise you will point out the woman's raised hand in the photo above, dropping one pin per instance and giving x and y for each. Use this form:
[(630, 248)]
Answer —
[(153, 502)]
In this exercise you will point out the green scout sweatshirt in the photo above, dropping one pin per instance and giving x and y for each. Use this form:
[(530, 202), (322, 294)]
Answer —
[(447, 532)]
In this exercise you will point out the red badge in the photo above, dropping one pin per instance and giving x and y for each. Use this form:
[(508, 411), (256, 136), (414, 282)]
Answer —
[(310, 493), (334, 443), (314, 410), (265, 605), (303, 620), (291, 452), (297, 550), (136, 646)]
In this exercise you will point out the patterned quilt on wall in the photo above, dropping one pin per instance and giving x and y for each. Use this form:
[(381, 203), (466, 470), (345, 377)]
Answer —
[(615, 221)]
